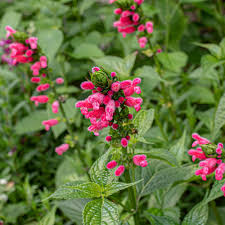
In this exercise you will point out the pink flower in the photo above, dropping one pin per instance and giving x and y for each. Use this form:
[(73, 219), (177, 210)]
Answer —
[(61, 149), (59, 80), (10, 31), (118, 11), (55, 107), (110, 109), (223, 189), (49, 123), (139, 2), (124, 142), (43, 87), (117, 104), (125, 84), (220, 171), (128, 137), (219, 148), (115, 126), (133, 7), (197, 154), (159, 50), (87, 85), (121, 99), (115, 86), (119, 171), (141, 28), (136, 81), (33, 42), (199, 140), (108, 138), (95, 69), (29, 53), (106, 99), (39, 99), (113, 74), (136, 17), (35, 79), (130, 116), (35, 68), (112, 164), (43, 61), (142, 42), (140, 160)]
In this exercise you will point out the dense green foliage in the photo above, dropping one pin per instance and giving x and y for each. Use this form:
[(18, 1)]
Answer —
[(183, 93)]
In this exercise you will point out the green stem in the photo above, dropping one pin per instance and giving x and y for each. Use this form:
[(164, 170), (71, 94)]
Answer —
[(216, 213), (132, 196)]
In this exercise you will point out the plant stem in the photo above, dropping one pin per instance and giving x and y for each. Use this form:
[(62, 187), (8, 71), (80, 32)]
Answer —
[(132, 195)]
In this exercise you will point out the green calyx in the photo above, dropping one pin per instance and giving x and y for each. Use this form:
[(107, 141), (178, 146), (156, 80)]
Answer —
[(124, 4), (101, 79), (210, 150), (20, 36)]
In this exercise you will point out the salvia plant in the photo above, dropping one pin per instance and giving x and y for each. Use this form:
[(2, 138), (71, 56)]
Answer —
[(127, 183)]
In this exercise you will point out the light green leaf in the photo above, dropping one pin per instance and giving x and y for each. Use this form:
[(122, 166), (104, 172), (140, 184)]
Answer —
[(219, 120), (31, 123), (215, 191), (214, 49), (50, 41), (197, 216), (10, 18), (191, 1), (99, 212), (143, 121), (98, 172), (73, 209), (49, 219), (173, 61), (160, 220), (87, 50), (166, 177), (179, 148), (85, 4), (77, 189), (116, 64), (117, 186)]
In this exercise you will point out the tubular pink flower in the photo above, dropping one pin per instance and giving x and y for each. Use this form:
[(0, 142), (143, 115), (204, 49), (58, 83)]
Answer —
[(199, 140), (35, 68), (39, 99), (61, 149), (117, 104), (136, 81), (130, 116), (121, 99), (139, 2), (35, 79), (124, 142), (108, 138), (110, 109), (118, 11), (59, 80), (223, 189), (125, 84), (95, 69), (220, 171), (106, 99), (49, 123), (196, 154), (43, 87), (10, 31), (119, 171), (115, 126), (55, 107), (29, 53), (87, 85), (43, 61), (115, 86), (112, 164), (142, 42), (138, 158), (136, 17), (141, 28), (133, 7), (113, 74), (33, 42), (159, 51), (128, 91), (128, 137)]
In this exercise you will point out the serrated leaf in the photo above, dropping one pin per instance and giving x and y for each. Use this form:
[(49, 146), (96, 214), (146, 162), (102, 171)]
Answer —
[(166, 177), (117, 186), (73, 209), (87, 50), (173, 61), (86, 4), (50, 40), (77, 189), (31, 123), (160, 220), (143, 121), (99, 212), (98, 172), (214, 49), (197, 216), (10, 18), (49, 219), (215, 191), (219, 120), (179, 148)]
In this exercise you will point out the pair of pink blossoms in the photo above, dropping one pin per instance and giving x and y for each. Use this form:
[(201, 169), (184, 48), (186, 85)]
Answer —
[(208, 165), (138, 160)]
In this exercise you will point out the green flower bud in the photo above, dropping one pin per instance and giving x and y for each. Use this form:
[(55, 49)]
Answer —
[(124, 4), (101, 79), (20, 36)]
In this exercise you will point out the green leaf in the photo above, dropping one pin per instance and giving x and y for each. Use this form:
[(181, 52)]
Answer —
[(166, 177), (99, 212), (49, 219), (31, 123), (191, 1), (160, 220), (116, 64), (117, 186), (219, 120), (50, 41), (85, 4), (77, 189), (214, 49), (197, 216), (10, 18), (215, 191), (179, 148), (73, 209), (98, 172), (143, 121), (173, 61), (87, 50)]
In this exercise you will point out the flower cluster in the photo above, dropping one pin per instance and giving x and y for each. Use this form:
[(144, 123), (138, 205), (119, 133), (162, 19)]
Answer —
[(210, 156), (108, 106), (5, 57), (132, 20), (22, 49)]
